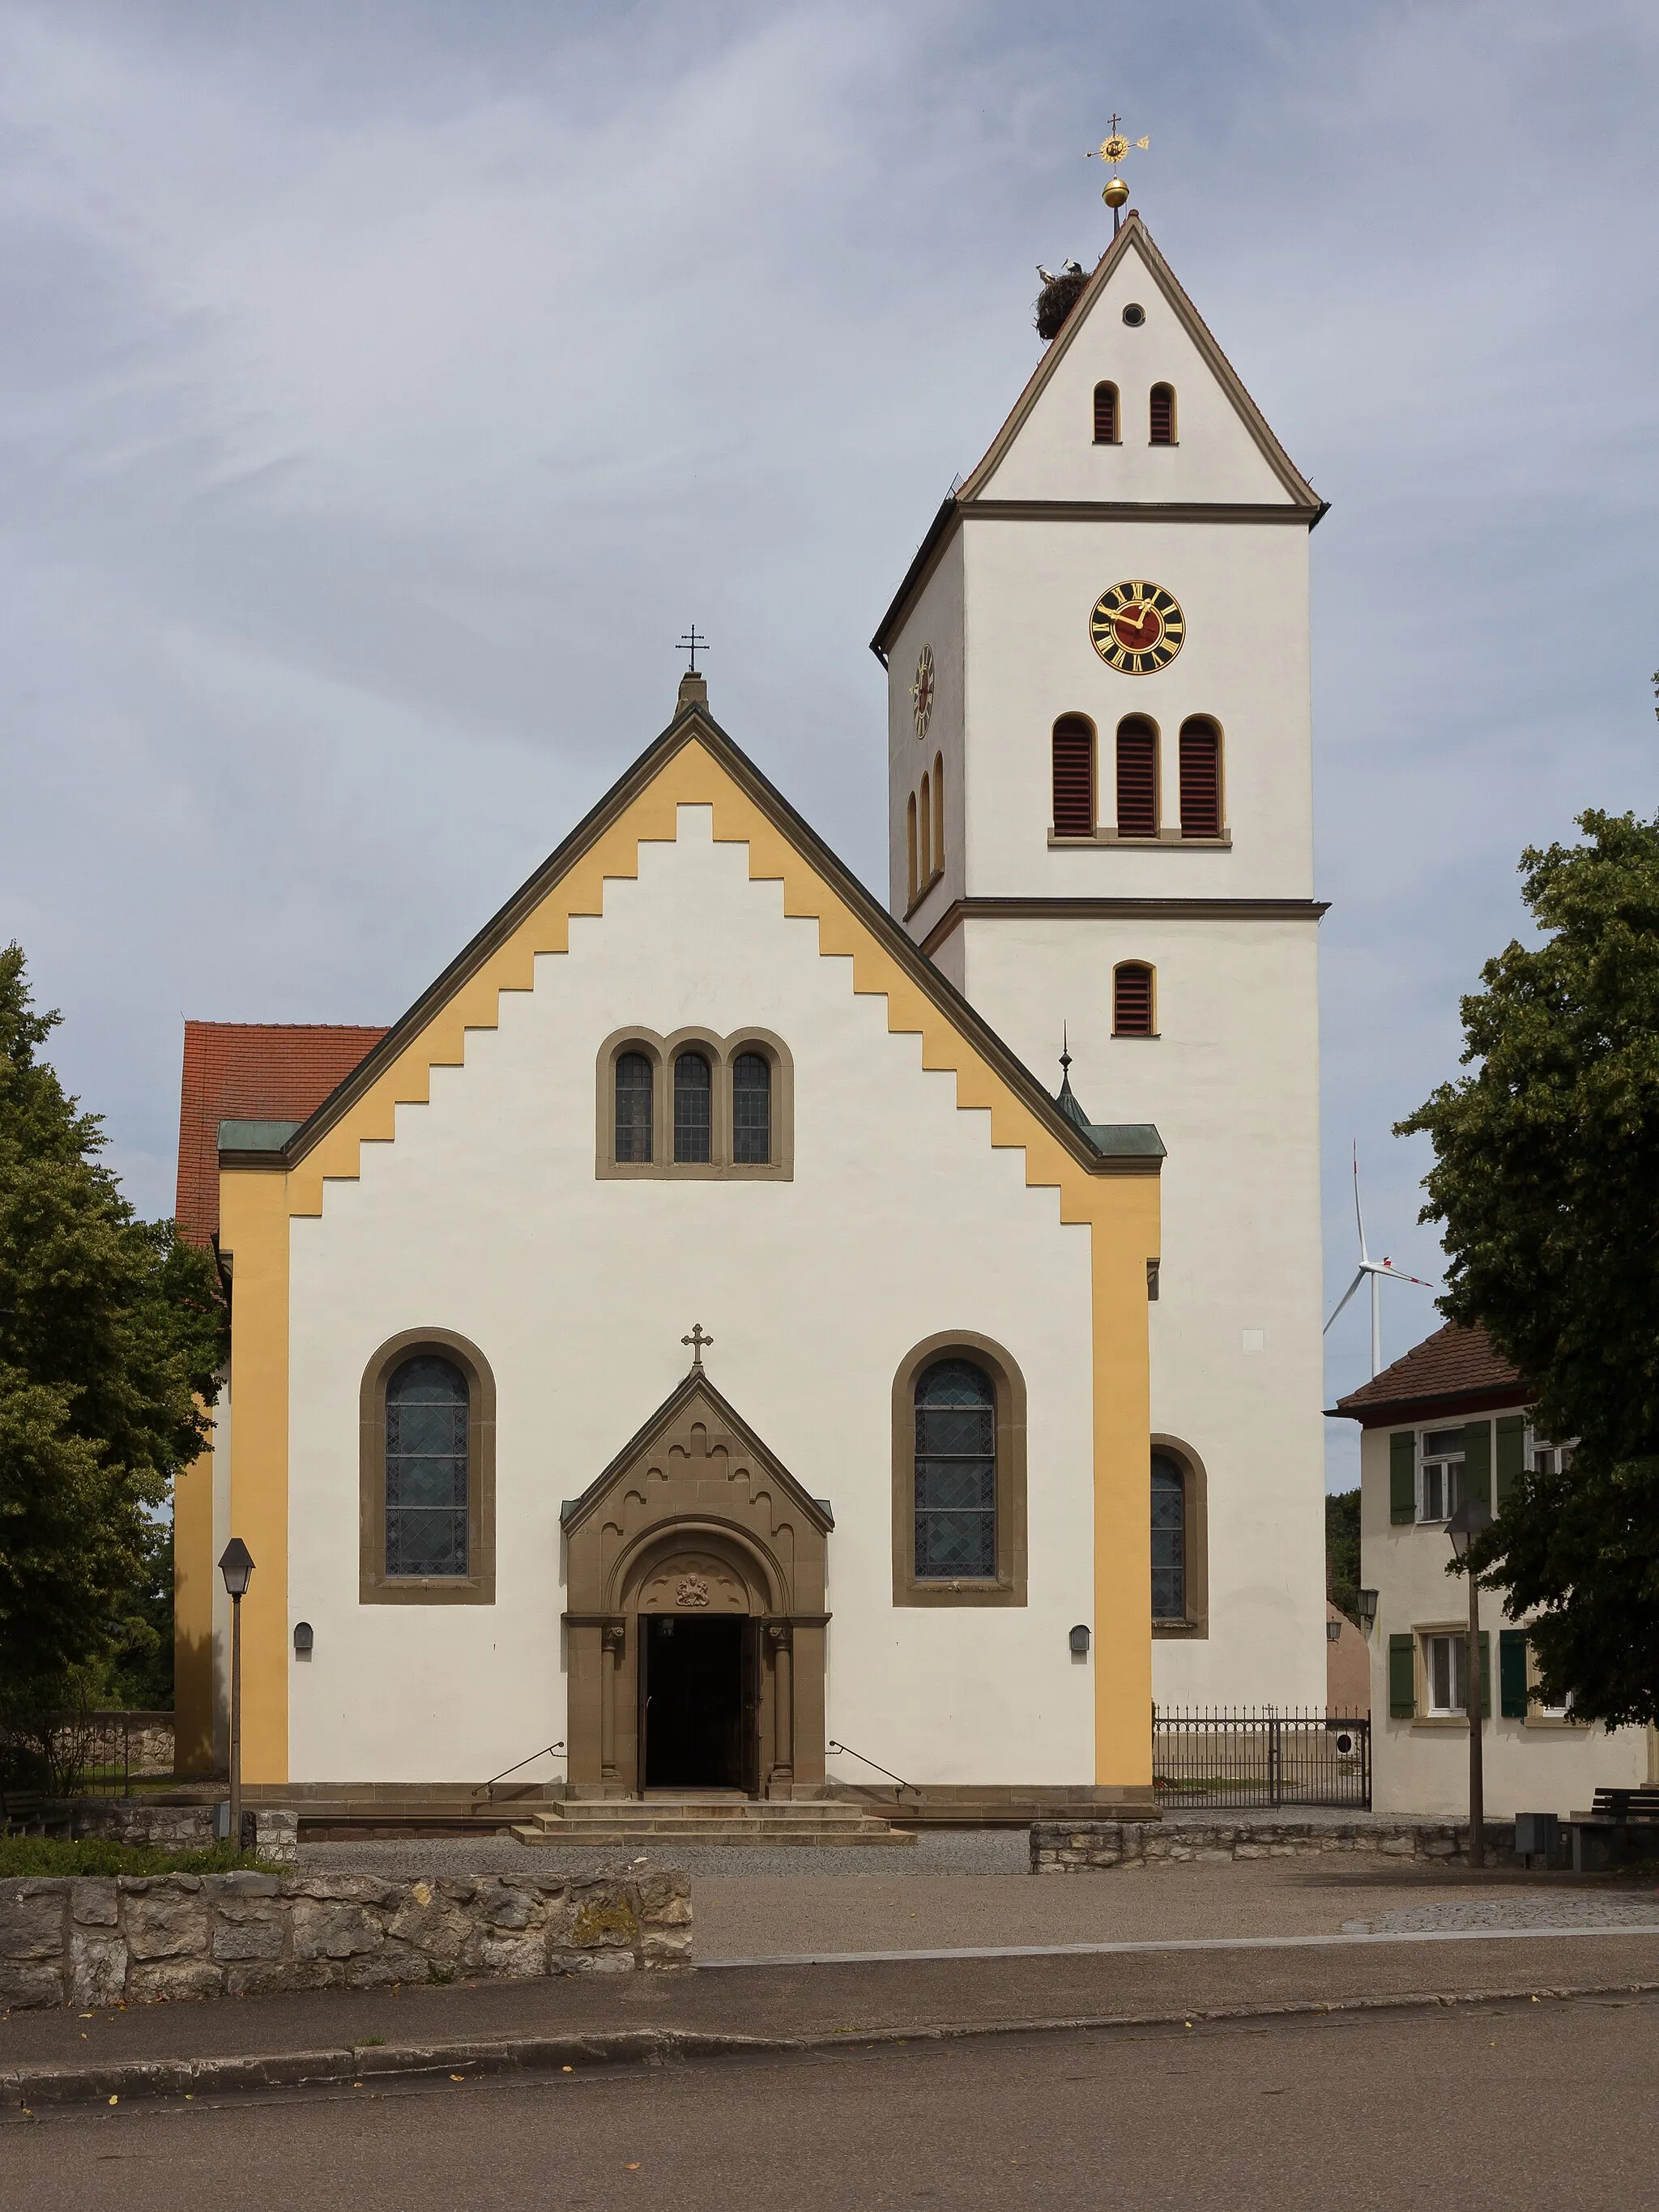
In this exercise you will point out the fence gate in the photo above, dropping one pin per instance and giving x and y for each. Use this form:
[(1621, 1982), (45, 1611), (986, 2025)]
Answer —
[(1264, 1757)]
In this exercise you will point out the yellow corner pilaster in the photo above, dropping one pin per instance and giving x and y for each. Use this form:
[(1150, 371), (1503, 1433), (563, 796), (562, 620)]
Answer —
[(1125, 1237), (254, 1229)]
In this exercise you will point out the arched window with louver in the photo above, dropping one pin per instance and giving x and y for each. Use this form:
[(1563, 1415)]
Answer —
[(633, 1100), (956, 1472), (1137, 778), (938, 810), (911, 846), (1131, 1000), (1161, 411), (426, 1469), (1201, 778), (751, 1109), (694, 1098), (925, 830), (1074, 776), (1105, 414)]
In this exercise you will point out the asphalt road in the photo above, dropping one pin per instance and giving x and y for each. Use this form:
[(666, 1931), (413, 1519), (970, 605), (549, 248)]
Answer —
[(1515, 2104)]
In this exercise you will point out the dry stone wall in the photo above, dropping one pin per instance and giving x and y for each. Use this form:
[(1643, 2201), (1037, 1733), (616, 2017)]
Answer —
[(146, 1939), (1083, 1847)]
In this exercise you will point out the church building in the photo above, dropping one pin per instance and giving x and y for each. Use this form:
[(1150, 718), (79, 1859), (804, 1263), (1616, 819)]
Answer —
[(697, 1337)]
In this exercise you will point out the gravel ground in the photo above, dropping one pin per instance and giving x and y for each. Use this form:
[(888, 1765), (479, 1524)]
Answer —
[(1555, 1908), (944, 1851)]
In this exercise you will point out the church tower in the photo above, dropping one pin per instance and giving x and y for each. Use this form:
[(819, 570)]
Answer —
[(1100, 782)]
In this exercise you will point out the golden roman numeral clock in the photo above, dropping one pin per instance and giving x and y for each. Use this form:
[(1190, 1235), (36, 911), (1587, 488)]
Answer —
[(1137, 627)]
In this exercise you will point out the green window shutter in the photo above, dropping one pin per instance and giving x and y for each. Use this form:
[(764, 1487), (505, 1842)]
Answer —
[(1485, 1676), (1477, 1462), (1512, 1674), (1511, 1455), (1402, 1678), (1403, 1476)]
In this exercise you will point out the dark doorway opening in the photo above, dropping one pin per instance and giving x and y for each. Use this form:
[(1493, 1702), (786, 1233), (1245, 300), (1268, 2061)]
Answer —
[(697, 1703)]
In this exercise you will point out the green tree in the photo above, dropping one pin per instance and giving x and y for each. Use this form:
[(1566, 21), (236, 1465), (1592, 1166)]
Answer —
[(1546, 1183), (1342, 1551), (111, 1329)]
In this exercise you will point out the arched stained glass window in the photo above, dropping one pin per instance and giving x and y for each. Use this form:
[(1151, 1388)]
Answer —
[(751, 1109), (1169, 1539), (694, 1097), (426, 1468), (633, 1086), (956, 1409)]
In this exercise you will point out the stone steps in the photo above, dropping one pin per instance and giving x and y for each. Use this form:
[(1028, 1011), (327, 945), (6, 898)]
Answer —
[(822, 1823)]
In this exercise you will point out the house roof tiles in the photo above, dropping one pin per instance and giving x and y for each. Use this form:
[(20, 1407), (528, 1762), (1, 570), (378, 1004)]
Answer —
[(1454, 1364)]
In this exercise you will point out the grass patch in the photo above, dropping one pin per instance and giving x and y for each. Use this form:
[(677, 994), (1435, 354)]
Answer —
[(99, 1854)]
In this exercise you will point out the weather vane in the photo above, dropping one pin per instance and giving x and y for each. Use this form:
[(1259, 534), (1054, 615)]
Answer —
[(1113, 149)]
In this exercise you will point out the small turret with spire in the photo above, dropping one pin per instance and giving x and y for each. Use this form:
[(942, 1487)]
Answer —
[(1067, 1098)]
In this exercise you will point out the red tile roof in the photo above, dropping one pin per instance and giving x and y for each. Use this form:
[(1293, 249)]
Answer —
[(251, 1071), (1454, 1364)]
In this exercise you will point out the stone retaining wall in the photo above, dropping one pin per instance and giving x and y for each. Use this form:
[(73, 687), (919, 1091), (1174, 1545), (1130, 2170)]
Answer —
[(1083, 1847), (140, 1821), (142, 1939)]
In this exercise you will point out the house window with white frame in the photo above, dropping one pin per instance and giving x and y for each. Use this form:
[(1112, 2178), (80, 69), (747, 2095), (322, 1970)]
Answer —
[(1546, 1458), (1440, 1474), (1446, 1676)]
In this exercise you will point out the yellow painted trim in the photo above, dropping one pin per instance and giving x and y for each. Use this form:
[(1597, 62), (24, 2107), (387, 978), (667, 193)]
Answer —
[(1123, 1211), (192, 1616), (254, 1208)]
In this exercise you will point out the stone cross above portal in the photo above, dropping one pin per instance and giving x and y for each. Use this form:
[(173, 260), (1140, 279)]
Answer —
[(697, 1341)]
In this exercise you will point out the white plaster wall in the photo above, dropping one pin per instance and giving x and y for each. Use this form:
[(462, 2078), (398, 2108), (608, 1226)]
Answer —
[(485, 1217), (1030, 587), (1053, 455), (1232, 1084), (1423, 1766), (936, 620)]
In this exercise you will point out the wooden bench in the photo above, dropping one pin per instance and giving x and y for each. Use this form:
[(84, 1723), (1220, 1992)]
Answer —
[(1621, 1824)]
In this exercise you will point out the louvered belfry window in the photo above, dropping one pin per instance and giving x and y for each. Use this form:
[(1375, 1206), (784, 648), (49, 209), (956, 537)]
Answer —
[(426, 1468), (633, 1107), (751, 1109), (694, 1098), (955, 1412), (1074, 777), (1163, 414), (1137, 779), (1105, 414), (1200, 780), (1131, 1000)]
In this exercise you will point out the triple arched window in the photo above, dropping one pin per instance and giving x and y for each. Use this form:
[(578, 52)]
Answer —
[(1138, 781), (924, 832), (695, 1104)]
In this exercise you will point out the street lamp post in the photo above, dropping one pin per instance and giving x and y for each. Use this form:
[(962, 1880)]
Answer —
[(236, 1566), (1468, 1521)]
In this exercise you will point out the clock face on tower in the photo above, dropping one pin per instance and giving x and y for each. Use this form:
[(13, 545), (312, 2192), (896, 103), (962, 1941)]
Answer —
[(1137, 627), (921, 691)]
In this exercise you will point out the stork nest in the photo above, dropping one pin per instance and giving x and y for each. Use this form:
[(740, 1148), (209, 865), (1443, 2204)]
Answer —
[(1057, 302)]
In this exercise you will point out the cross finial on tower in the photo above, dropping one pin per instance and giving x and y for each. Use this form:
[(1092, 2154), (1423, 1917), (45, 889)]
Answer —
[(694, 643), (697, 1341)]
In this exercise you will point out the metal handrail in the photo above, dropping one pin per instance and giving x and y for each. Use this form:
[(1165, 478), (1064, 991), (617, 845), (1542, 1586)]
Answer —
[(487, 1788), (876, 1763)]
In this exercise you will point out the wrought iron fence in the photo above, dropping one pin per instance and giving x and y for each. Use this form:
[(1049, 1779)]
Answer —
[(1266, 1757), (82, 1754)]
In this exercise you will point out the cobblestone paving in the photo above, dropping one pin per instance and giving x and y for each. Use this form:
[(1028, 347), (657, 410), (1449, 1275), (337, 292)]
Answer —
[(1555, 1908)]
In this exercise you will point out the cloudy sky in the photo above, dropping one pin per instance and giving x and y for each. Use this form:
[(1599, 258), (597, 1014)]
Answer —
[(386, 384)]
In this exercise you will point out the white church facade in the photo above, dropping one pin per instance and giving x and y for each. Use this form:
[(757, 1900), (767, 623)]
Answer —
[(695, 1336)]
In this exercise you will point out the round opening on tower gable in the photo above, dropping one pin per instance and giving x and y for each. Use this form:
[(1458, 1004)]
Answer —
[(1134, 315)]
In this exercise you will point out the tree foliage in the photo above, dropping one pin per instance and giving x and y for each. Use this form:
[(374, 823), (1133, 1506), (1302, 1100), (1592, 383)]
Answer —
[(1546, 1183), (111, 1329), (1342, 1551)]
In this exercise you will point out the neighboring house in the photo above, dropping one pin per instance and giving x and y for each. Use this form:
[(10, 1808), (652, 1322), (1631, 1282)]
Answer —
[(1348, 1666), (1450, 1421)]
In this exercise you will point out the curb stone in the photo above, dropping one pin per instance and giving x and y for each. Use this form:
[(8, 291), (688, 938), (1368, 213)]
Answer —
[(25, 2089)]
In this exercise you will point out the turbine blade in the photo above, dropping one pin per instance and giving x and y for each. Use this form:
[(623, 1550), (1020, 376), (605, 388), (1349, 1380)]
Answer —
[(1399, 1275), (1359, 1217), (1345, 1296)]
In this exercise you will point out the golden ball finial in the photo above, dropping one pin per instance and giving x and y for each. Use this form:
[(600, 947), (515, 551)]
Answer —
[(1117, 191)]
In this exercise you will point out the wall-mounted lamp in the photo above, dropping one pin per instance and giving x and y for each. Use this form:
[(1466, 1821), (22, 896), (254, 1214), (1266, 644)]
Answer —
[(304, 1638), (1079, 1641), (1333, 1632), (1367, 1612)]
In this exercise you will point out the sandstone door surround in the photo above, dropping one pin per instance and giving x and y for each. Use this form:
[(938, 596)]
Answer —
[(696, 1516)]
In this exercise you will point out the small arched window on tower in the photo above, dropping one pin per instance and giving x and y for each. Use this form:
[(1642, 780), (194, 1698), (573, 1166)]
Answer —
[(1131, 1000), (633, 1086), (938, 810), (1163, 414), (925, 830), (1074, 776), (694, 1098), (1137, 778), (911, 846), (1105, 414), (1201, 778)]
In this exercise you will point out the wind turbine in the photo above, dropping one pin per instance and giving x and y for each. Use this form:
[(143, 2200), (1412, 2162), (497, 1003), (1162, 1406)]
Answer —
[(1375, 1269)]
